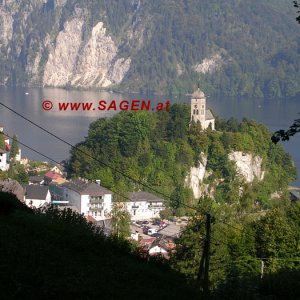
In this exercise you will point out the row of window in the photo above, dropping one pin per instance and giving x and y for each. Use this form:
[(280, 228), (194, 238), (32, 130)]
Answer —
[(196, 112)]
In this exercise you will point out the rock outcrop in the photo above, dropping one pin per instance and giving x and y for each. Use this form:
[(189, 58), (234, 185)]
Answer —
[(195, 178), (80, 63), (248, 167)]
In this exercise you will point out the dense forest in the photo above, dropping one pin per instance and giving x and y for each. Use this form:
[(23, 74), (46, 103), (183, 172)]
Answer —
[(253, 45), (158, 149)]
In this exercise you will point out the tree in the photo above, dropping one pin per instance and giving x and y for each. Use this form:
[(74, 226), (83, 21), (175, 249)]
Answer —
[(14, 150), (295, 127), (2, 142), (120, 220), (276, 238), (285, 135)]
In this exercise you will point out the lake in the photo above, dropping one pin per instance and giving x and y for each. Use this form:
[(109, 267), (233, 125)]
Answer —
[(72, 126)]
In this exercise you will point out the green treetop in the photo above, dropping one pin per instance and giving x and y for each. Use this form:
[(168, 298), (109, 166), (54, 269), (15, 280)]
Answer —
[(14, 147)]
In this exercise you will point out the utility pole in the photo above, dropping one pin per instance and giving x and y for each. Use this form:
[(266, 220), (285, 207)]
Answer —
[(207, 250), (203, 273)]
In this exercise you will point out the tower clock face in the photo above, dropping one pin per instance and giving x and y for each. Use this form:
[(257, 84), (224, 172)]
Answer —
[(195, 106)]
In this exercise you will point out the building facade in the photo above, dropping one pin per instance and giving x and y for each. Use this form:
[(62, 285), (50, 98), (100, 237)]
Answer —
[(199, 112), (144, 206), (89, 198)]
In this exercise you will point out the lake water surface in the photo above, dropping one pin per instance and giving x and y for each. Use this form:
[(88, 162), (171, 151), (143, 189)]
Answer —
[(73, 126)]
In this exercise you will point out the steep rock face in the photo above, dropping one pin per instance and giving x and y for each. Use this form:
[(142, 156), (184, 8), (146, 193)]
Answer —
[(248, 166), (195, 178), (84, 63), (212, 64), (59, 67), (6, 26)]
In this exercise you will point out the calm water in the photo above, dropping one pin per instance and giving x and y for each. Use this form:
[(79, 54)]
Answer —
[(73, 126)]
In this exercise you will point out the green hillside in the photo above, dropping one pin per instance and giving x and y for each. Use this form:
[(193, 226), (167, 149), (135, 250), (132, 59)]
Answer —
[(158, 149), (47, 257)]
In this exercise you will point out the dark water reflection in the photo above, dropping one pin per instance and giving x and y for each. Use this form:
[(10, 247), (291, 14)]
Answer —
[(73, 126)]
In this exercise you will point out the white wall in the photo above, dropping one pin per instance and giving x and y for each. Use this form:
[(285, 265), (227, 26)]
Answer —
[(207, 122), (157, 249), (38, 202), (82, 203), (144, 211), (3, 165)]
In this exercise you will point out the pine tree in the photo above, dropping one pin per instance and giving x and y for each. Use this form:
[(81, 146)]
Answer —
[(14, 147), (2, 142)]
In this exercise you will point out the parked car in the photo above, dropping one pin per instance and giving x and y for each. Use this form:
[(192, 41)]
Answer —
[(156, 222), (162, 224), (152, 231)]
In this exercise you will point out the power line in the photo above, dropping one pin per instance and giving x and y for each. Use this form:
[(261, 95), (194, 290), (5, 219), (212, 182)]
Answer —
[(51, 159), (94, 158)]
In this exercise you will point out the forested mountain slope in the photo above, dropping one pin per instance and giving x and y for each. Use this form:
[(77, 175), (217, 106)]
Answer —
[(236, 47)]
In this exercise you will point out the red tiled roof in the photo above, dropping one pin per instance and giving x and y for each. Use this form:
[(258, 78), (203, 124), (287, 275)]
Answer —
[(91, 219), (53, 175), (148, 241)]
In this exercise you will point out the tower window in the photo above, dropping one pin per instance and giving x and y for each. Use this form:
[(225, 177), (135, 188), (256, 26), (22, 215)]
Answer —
[(194, 112), (197, 112)]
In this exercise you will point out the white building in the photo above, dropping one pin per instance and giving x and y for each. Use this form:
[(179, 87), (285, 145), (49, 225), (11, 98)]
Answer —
[(37, 196), (3, 160), (144, 206), (199, 111), (89, 198)]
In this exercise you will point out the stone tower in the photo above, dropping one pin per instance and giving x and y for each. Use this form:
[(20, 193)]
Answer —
[(199, 111)]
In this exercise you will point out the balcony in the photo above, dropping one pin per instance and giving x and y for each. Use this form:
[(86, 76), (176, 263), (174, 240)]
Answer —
[(96, 201), (100, 208)]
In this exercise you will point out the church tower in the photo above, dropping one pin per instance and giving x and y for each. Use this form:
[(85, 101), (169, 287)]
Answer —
[(199, 111)]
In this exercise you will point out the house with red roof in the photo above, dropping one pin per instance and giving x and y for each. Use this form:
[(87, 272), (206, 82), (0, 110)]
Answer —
[(52, 177)]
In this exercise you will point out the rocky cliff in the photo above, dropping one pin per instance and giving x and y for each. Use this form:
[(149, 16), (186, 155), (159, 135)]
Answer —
[(248, 166), (92, 63)]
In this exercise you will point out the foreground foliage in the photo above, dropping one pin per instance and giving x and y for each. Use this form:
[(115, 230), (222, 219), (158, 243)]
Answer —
[(252, 255), (59, 255)]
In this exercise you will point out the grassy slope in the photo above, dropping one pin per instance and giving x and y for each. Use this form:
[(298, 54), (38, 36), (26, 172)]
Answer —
[(44, 259)]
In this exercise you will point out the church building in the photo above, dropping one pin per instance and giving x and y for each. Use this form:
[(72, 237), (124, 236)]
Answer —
[(199, 111)]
